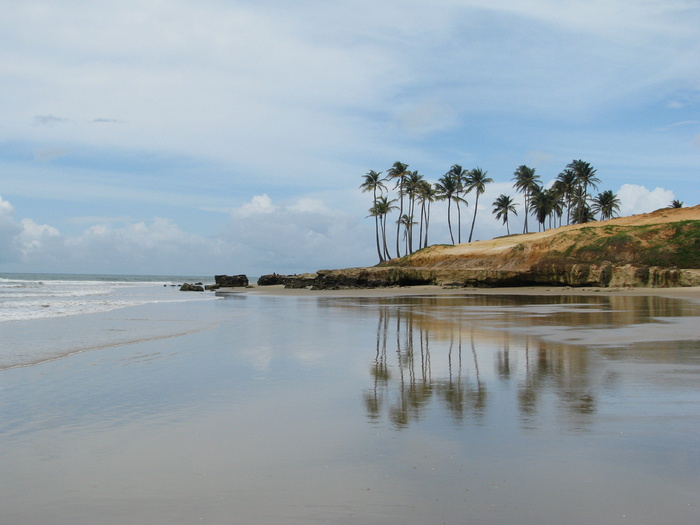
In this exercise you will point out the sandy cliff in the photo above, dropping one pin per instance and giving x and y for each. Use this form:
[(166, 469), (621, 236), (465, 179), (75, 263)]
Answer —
[(655, 249)]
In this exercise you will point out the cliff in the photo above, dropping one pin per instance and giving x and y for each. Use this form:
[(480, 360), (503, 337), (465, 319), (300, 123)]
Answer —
[(658, 249)]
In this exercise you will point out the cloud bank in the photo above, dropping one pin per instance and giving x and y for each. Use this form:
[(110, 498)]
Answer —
[(260, 237), (233, 135)]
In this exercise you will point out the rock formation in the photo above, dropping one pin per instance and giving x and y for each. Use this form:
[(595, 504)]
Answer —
[(231, 281), (187, 287)]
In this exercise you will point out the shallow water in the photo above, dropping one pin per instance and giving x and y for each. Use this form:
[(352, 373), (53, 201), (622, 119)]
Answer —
[(260, 409)]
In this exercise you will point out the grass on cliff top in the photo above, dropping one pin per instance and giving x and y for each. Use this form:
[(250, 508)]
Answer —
[(668, 245)]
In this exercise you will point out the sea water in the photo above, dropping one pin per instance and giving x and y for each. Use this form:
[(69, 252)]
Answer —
[(40, 296), (68, 303), (321, 409)]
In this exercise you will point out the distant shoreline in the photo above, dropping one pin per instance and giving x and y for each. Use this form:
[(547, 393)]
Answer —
[(690, 293)]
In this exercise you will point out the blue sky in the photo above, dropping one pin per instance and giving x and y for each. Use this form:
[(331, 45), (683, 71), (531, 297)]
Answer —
[(231, 136)]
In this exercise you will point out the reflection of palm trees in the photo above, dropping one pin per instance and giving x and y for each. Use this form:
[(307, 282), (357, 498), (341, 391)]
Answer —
[(379, 370), (503, 358), (419, 364), (414, 387)]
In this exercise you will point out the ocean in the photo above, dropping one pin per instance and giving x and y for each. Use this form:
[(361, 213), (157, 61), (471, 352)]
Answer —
[(41, 296), (67, 303), (129, 401)]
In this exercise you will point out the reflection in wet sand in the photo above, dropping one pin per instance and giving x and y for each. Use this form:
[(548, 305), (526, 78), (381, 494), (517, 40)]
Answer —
[(451, 352)]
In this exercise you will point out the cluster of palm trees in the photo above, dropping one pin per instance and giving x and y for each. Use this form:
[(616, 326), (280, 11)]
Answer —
[(570, 193)]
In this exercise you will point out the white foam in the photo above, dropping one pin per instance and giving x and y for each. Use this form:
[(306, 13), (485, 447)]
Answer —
[(30, 300)]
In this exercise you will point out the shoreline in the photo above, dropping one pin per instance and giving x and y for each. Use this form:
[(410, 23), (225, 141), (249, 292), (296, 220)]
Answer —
[(691, 293)]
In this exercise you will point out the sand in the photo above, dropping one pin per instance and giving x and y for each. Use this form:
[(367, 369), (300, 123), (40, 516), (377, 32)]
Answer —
[(689, 293)]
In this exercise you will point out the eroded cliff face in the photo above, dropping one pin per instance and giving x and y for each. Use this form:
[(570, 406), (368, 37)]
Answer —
[(658, 249)]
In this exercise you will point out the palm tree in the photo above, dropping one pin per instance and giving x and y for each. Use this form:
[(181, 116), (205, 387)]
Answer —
[(398, 172), (606, 204), (460, 176), (581, 211), (675, 203), (477, 180), (540, 205), (412, 188), (525, 182), (585, 177), (502, 206), (426, 195), (565, 185), (407, 222), (382, 207), (373, 182), (447, 188)]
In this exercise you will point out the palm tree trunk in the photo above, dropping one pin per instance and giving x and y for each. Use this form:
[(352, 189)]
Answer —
[(459, 225), (376, 236), (398, 223), (420, 229), (476, 203), (427, 224), (386, 248), (449, 221)]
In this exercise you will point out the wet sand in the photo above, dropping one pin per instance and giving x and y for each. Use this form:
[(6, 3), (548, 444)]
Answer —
[(400, 405), (681, 329), (689, 293)]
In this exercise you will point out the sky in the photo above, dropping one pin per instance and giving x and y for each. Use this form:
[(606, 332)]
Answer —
[(231, 136)]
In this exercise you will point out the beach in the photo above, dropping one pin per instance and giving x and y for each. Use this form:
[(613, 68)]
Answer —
[(691, 293), (402, 405)]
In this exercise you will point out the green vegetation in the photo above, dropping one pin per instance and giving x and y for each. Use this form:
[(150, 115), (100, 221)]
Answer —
[(668, 245)]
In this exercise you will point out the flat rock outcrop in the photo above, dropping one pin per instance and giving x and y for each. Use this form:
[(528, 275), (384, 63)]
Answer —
[(298, 281)]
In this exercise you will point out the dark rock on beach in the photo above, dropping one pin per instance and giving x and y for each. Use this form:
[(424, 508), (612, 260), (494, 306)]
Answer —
[(297, 281), (187, 287), (231, 281), (272, 279)]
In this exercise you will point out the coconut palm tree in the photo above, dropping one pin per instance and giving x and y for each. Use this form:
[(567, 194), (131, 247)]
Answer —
[(374, 182), (540, 205), (460, 176), (412, 188), (526, 181), (447, 188), (606, 204), (426, 195), (565, 185), (585, 177), (398, 172), (382, 207), (407, 222), (476, 181), (581, 211), (675, 203), (502, 206)]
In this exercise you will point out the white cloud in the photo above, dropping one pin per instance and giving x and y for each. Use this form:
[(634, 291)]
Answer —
[(302, 236), (636, 199), (260, 204), (34, 236), (19, 240), (308, 204), (6, 209), (9, 230)]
